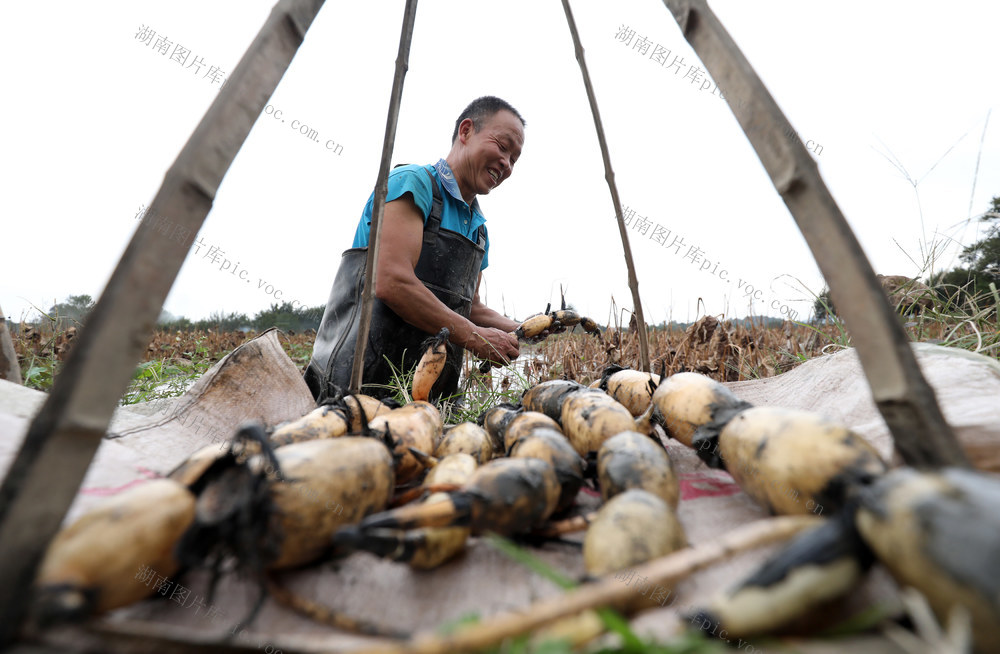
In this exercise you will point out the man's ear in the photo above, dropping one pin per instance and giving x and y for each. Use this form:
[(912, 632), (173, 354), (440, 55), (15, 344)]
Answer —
[(465, 129)]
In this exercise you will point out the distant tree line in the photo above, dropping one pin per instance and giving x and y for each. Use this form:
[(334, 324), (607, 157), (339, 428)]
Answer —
[(284, 316), (73, 312)]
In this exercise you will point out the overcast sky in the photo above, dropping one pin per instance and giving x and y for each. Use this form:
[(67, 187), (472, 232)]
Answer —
[(94, 116)]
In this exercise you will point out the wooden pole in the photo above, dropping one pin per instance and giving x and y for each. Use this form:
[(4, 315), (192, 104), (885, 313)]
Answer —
[(62, 439), (9, 369), (381, 189), (907, 402), (609, 176)]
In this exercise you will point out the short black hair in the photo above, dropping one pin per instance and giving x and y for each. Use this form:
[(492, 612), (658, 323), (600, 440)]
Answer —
[(482, 109)]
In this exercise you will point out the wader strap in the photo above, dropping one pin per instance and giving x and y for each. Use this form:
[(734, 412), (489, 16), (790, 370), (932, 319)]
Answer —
[(437, 209), (433, 224)]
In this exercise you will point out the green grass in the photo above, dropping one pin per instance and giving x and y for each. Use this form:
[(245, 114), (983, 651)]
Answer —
[(299, 353), (972, 325), (37, 372), (40, 364), (154, 380), (164, 378)]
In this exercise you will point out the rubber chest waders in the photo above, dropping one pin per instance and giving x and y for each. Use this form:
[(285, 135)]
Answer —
[(448, 266)]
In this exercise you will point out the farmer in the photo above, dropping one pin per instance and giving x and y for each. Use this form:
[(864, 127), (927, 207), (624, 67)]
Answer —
[(433, 249)]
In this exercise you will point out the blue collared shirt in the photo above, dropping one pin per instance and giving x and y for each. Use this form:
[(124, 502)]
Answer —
[(456, 215)]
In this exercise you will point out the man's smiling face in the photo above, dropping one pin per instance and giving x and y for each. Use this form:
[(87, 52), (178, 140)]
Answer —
[(492, 151)]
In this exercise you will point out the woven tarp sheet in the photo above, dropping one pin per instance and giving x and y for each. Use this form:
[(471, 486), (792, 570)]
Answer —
[(258, 382)]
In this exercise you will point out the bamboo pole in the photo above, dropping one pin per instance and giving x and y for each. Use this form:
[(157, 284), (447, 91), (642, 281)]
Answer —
[(62, 439), (666, 571), (905, 399), (381, 189), (609, 176)]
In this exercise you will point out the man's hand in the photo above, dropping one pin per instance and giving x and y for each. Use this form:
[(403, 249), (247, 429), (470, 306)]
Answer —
[(493, 345)]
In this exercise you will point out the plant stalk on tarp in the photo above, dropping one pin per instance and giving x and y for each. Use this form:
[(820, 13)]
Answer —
[(907, 403), (381, 189), (605, 591), (609, 175), (63, 437)]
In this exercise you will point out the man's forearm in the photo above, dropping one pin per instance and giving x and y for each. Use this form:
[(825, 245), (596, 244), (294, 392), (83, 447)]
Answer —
[(484, 316), (415, 304)]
